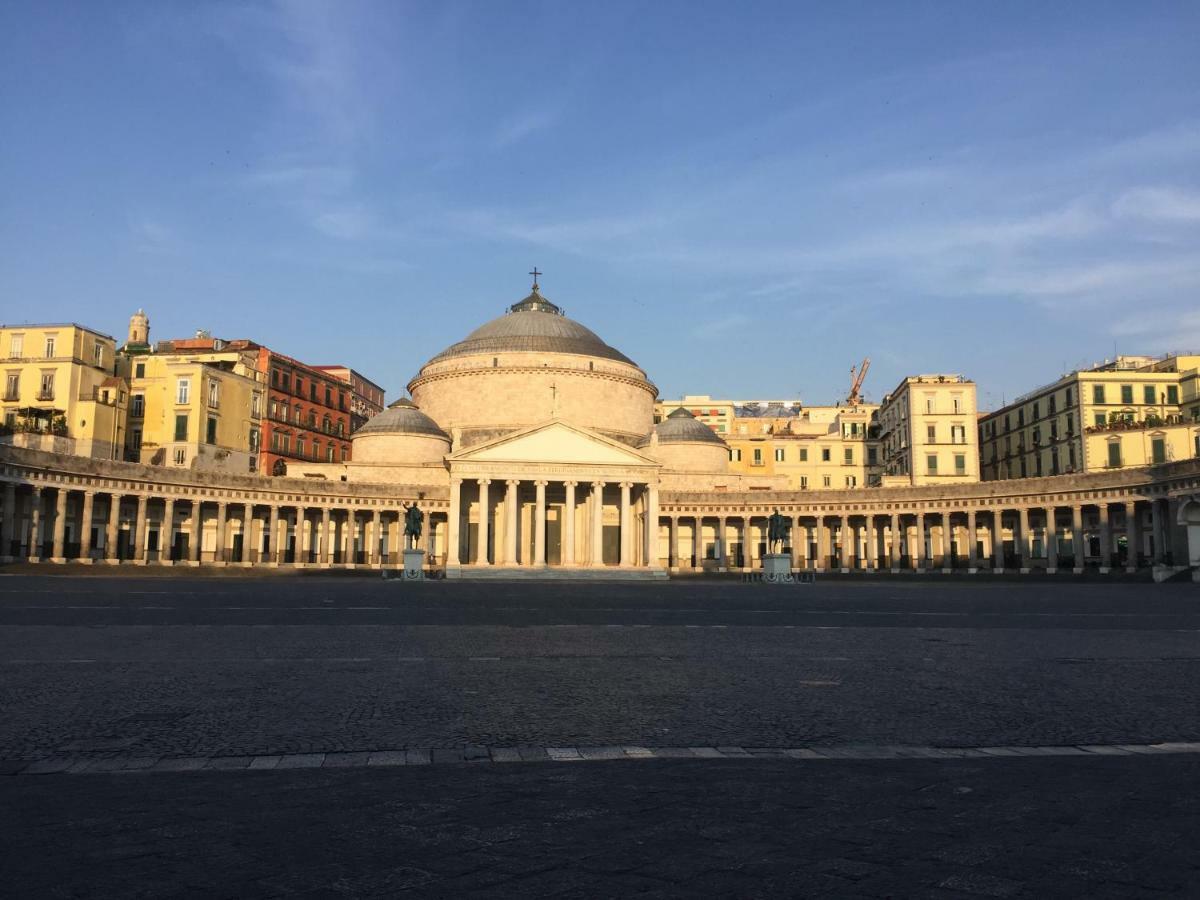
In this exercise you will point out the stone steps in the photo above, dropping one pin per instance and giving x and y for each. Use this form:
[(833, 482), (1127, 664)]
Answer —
[(554, 573)]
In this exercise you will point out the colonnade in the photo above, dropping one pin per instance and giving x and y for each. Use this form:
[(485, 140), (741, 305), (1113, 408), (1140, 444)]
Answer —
[(498, 521), (62, 524), (1109, 535)]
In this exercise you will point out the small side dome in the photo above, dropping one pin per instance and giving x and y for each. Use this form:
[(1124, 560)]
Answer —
[(402, 417), (681, 427)]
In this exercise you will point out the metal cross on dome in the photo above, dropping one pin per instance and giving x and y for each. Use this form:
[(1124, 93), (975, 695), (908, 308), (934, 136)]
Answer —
[(535, 273)]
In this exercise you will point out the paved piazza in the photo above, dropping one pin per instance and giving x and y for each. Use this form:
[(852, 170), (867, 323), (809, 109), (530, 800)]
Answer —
[(850, 738)]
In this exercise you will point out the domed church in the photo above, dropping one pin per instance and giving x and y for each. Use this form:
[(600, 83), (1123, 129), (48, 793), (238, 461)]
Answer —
[(545, 436)]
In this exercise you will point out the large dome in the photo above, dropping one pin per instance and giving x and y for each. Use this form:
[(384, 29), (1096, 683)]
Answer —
[(535, 324)]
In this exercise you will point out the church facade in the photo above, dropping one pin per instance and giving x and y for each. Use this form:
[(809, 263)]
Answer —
[(532, 448)]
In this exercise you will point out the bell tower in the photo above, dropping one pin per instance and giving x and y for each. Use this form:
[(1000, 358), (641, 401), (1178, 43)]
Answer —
[(139, 328)]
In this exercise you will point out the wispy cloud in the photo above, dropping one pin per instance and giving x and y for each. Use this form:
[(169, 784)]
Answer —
[(524, 125), (1162, 204), (729, 326)]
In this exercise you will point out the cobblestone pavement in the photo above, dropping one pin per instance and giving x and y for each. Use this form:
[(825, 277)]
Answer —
[(98, 672)]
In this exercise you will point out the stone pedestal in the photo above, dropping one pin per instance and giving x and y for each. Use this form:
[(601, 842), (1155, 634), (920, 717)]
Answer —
[(777, 568), (414, 565)]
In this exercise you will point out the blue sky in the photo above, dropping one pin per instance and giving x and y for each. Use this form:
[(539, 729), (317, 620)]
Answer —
[(746, 198)]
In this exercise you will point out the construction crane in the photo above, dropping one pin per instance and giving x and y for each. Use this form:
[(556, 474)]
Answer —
[(856, 382)]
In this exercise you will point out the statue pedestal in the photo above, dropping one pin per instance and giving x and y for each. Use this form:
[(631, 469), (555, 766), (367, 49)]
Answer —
[(777, 568), (414, 565)]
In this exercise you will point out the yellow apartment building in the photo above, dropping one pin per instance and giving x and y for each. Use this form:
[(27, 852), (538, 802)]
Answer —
[(191, 411), (928, 431), (60, 390), (1129, 412)]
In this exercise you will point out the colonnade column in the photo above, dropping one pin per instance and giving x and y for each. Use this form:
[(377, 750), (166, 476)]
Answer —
[(272, 536), (376, 537), (197, 531), (35, 524), (1157, 533), (626, 524), (1077, 536), (698, 542), (1105, 538), (972, 541), (1133, 536), (8, 522), (323, 554), (652, 536), (114, 524), (166, 530), (846, 532), (747, 540), (452, 529), (219, 550), (348, 529), (872, 545), (819, 531), (673, 542), (722, 561), (140, 527), (798, 532), (567, 556), (919, 555), (539, 527), (1023, 543), (481, 555), (895, 538), (60, 525), (597, 523), (510, 523), (1051, 539), (998, 541), (85, 527)]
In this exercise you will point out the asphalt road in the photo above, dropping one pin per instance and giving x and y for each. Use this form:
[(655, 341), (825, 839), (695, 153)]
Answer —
[(95, 669)]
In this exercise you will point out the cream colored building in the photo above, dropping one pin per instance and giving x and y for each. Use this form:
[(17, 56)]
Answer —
[(531, 446), (195, 412), (928, 431), (60, 390), (1130, 412)]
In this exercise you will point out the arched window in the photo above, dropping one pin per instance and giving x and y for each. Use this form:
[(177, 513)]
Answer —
[(312, 420), (341, 428), (298, 413), (280, 467), (327, 425)]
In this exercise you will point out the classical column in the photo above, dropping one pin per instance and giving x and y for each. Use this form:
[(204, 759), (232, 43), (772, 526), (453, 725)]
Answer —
[(894, 562), (847, 535), (510, 522), (1157, 532), (272, 535), (1105, 537), (597, 523), (85, 527), (919, 556), (797, 535), (872, 545), (567, 556), (349, 525), (481, 554), (376, 537), (1051, 540), (1133, 536), (972, 540), (60, 525), (653, 543), (626, 524), (998, 540), (35, 525), (747, 541), (539, 525), (1077, 536), (114, 525), (166, 530), (8, 522), (454, 523), (323, 558), (222, 513), (698, 542), (819, 529), (1022, 545), (722, 561), (946, 541), (141, 527), (672, 542), (197, 530)]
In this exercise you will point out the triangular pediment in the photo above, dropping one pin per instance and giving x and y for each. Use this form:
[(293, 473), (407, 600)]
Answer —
[(555, 442)]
